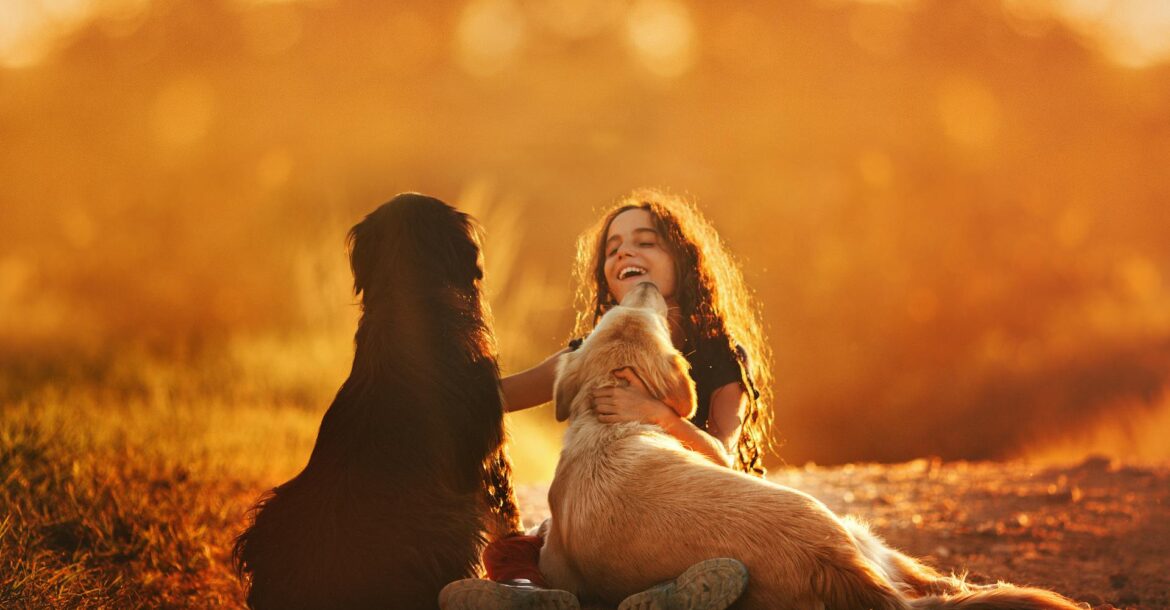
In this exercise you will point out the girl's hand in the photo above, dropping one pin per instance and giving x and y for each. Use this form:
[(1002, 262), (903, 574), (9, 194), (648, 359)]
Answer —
[(632, 403)]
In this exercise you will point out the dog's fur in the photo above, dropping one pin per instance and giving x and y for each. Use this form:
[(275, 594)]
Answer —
[(632, 507), (408, 479)]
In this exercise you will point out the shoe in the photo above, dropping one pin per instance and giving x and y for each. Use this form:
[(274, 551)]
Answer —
[(713, 584), (520, 594)]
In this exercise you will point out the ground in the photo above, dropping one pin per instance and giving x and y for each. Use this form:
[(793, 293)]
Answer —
[(105, 524), (1097, 532)]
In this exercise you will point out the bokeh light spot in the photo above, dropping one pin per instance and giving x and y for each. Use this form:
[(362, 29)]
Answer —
[(1136, 34), (662, 36), (490, 35), (1139, 278), (15, 274), (69, 11), (27, 33)]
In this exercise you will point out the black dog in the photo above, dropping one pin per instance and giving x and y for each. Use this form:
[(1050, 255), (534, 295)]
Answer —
[(408, 479)]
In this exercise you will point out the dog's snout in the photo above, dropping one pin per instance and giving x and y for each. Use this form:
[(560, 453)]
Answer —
[(646, 296)]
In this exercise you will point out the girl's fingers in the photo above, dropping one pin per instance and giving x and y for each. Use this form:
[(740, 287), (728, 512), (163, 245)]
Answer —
[(630, 376), (603, 407)]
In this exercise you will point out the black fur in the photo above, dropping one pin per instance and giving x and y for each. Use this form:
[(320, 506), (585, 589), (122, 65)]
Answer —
[(408, 478)]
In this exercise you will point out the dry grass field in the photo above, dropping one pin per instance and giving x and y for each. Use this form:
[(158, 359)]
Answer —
[(132, 499)]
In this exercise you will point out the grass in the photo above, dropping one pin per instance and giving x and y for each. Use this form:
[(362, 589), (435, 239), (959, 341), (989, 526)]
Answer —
[(136, 504), (127, 489)]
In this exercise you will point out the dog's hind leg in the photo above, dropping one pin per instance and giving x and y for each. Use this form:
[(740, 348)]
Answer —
[(555, 567)]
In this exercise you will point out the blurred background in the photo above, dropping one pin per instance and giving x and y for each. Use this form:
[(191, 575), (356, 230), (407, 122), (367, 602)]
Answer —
[(954, 213)]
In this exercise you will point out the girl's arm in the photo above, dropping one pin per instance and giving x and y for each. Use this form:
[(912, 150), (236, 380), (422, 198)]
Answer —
[(532, 387), (695, 438), (728, 406), (634, 403)]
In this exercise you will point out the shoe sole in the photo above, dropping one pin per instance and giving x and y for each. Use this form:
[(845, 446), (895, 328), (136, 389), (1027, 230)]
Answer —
[(488, 595), (708, 585)]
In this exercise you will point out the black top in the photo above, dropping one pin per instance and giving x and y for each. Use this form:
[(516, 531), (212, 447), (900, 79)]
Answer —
[(713, 366)]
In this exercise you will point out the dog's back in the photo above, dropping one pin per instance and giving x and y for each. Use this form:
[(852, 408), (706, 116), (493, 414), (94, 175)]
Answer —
[(652, 508)]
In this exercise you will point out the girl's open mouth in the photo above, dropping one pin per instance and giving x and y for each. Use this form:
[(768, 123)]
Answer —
[(631, 271)]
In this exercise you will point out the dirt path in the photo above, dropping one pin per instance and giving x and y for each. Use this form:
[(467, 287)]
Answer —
[(1098, 532)]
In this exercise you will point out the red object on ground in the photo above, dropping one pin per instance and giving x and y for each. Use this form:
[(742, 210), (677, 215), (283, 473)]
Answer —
[(514, 558)]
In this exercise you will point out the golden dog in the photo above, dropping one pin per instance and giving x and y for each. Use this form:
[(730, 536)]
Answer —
[(631, 507)]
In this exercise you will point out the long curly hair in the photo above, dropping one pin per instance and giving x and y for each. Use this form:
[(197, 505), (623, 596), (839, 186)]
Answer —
[(409, 478), (714, 303)]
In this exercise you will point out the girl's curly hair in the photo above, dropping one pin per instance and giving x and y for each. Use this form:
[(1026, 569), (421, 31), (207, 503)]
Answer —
[(714, 303)]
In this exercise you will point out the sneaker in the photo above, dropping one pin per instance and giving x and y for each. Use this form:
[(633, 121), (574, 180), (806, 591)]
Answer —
[(708, 585), (520, 594)]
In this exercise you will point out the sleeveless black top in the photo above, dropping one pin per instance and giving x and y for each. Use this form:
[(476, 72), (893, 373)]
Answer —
[(713, 365)]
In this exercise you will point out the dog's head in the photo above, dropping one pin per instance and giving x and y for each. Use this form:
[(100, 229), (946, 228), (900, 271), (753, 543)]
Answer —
[(634, 334), (413, 244)]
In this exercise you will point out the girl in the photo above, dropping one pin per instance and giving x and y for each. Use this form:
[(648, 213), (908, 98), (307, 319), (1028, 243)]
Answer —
[(655, 237)]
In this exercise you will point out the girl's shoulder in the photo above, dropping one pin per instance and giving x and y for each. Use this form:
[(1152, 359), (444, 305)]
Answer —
[(720, 361)]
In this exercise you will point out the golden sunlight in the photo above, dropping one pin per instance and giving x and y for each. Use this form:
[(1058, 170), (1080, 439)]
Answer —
[(1133, 33), (27, 33), (662, 35), (953, 214), (490, 35)]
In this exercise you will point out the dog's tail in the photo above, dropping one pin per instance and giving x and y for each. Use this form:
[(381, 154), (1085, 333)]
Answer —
[(996, 597)]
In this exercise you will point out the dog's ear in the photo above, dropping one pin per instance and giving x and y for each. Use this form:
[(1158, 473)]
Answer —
[(666, 378), (566, 386), (678, 388)]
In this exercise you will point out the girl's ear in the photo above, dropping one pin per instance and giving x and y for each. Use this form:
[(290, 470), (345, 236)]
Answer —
[(566, 386), (678, 389)]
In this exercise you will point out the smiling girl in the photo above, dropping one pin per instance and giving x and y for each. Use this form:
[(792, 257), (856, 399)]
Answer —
[(650, 236), (659, 238)]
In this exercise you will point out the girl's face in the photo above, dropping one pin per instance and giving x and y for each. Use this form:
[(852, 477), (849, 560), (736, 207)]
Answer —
[(635, 253)]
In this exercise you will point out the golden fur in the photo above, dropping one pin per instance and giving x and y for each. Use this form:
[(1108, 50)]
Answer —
[(631, 507)]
